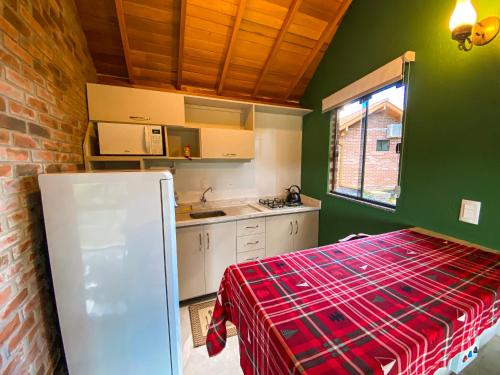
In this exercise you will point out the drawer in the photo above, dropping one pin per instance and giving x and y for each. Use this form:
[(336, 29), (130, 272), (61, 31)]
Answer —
[(252, 242), (250, 256), (251, 226)]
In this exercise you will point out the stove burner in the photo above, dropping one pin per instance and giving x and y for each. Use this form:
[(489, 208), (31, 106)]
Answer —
[(277, 203)]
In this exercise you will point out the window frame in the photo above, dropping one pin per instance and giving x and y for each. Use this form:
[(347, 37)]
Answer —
[(363, 100)]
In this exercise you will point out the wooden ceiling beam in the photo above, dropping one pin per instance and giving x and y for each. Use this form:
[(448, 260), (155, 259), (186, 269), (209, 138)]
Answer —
[(329, 30), (232, 41), (277, 44), (180, 55), (120, 15)]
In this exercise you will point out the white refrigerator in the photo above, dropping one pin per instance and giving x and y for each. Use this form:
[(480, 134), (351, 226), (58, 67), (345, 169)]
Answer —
[(112, 250)]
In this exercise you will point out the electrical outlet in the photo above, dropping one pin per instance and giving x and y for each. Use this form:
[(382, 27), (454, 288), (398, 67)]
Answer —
[(469, 212)]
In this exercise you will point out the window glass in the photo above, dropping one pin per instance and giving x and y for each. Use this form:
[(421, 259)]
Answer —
[(349, 139), (366, 140)]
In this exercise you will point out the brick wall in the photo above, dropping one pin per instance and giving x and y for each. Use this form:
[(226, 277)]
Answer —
[(44, 63), (381, 167)]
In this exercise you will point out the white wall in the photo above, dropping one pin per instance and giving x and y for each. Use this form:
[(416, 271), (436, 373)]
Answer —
[(278, 144)]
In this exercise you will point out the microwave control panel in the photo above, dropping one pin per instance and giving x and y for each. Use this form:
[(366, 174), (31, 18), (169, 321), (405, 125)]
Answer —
[(156, 140)]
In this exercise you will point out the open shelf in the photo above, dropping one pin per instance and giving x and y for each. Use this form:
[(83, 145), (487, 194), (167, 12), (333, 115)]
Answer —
[(221, 114), (178, 138)]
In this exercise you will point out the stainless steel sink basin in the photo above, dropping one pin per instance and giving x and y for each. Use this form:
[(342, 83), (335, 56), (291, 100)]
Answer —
[(206, 214)]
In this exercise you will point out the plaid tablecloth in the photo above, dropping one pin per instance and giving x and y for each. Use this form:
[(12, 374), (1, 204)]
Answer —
[(396, 303)]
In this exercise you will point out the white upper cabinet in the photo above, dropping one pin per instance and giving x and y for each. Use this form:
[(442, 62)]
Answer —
[(227, 144), (131, 105)]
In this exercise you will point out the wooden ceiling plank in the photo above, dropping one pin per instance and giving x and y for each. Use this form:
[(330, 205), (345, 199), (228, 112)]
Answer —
[(277, 44), (120, 15), (182, 31), (329, 30), (234, 33)]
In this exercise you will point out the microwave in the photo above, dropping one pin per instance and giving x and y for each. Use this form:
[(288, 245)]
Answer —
[(130, 139)]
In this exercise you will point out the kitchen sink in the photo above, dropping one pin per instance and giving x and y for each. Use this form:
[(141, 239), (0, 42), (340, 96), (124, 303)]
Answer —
[(206, 214)]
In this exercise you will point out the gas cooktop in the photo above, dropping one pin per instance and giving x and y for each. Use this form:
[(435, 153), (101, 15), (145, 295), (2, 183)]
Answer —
[(274, 203)]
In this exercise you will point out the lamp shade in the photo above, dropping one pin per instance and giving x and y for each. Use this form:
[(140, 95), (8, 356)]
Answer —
[(463, 15)]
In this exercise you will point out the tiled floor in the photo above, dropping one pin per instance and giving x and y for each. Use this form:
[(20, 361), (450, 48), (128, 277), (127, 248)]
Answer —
[(197, 362), (488, 361)]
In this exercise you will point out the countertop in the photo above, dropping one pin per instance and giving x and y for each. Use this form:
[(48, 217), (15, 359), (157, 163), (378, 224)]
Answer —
[(238, 209)]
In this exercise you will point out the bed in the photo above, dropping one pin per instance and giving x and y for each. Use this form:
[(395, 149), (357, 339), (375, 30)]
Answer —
[(396, 303)]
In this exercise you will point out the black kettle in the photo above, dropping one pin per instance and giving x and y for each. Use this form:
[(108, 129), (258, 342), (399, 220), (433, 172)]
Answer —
[(293, 195)]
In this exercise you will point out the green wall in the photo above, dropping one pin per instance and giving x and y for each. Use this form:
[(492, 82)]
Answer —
[(452, 144)]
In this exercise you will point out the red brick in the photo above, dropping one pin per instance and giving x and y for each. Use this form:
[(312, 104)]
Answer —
[(61, 157), (10, 91), (50, 145), (9, 240), (18, 185), (13, 154), (19, 110), (8, 203), (18, 80), (3, 106), (5, 170), (41, 156), (36, 104), (16, 303), (23, 331), (32, 75), (5, 293), (16, 21), (44, 94), (9, 328), (8, 28), (4, 136), (9, 60), (24, 140), (14, 47), (17, 218), (48, 121), (18, 250), (23, 170)]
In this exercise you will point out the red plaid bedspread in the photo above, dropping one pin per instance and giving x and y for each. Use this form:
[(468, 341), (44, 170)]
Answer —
[(396, 303)]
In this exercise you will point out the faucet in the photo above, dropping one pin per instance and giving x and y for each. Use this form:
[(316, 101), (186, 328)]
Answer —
[(203, 200)]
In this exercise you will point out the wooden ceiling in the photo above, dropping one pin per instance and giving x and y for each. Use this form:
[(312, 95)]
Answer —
[(255, 49)]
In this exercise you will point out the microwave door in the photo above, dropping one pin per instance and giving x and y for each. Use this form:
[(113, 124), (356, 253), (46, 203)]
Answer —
[(123, 139)]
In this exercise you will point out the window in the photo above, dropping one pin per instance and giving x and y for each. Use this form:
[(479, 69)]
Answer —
[(366, 144), (383, 145)]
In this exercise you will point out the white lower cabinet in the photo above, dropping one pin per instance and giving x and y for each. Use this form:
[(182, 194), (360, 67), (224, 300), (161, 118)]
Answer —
[(191, 262), (220, 252), (203, 253), (287, 233)]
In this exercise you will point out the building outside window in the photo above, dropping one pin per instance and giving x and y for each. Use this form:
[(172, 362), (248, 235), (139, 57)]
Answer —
[(366, 137)]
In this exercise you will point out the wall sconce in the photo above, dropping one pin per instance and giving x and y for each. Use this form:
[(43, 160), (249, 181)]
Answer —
[(466, 31)]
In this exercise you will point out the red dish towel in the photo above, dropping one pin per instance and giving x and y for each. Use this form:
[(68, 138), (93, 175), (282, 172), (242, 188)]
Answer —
[(396, 303)]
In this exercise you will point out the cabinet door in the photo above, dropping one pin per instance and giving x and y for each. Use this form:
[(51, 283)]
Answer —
[(227, 144), (190, 262), (220, 252), (125, 104), (279, 234), (305, 230)]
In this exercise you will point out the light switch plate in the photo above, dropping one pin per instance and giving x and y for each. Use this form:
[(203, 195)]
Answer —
[(469, 212)]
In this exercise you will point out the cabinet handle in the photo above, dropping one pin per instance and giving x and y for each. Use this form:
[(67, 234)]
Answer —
[(291, 228), (140, 118), (254, 258), (201, 246), (255, 227), (297, 227), (208, 241), (253, 243), (230, 155)]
